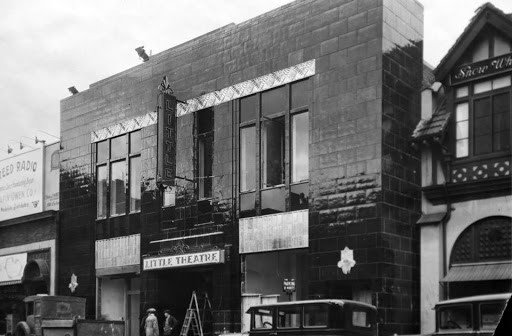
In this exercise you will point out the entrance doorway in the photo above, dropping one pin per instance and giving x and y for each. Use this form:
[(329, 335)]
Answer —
[(176, 287)]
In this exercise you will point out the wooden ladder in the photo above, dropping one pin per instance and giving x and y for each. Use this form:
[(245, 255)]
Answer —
[(192, 318)]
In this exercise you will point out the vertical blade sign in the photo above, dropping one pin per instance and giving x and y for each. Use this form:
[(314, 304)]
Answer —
[(166, 135)]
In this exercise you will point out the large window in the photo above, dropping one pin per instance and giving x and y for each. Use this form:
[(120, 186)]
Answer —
[(118, 169), (204, 136), (482, 118), (274, 149)]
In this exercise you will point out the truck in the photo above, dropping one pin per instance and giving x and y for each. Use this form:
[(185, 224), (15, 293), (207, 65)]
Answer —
[(53, 315)]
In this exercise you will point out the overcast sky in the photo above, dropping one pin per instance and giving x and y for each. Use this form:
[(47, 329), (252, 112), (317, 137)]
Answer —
[(48, 46)]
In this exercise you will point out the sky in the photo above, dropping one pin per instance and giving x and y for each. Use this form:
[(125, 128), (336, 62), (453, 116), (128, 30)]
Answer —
[(48, 46)]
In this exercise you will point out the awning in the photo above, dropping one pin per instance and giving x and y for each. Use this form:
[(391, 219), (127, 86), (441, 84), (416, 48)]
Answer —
[(432, 218), (479, 272)]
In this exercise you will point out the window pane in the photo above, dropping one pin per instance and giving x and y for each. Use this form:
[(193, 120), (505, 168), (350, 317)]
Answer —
[(247, 158), (462, 129), (483, 126), (273, 101), (482, 107), (455, 318), (501, 82), (501, 103), (462, 92), (101, 191), (301, 93), (117, 188), (248, 108), (462, 112), (481, 50), (315, 315), (118, 147), (483, 144), (482, 87), (300, 147), (490, 314), (247, 205), (135, 169), (135, 142), (462, 148), (288, 317), (501, 141), (263, 319), (299, 196), (102, 151), (273, 201), (272, 143)]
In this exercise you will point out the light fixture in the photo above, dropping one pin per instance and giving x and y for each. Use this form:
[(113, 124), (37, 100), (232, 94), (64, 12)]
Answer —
[(73, 90), (142, 53), (40, 141), (9, 149)]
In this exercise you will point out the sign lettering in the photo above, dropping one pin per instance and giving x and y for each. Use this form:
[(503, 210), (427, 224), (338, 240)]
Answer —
[(183, 260), (481, 69)]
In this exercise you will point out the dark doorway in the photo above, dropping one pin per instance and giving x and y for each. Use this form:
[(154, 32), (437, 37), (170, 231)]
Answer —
[(176, 289)]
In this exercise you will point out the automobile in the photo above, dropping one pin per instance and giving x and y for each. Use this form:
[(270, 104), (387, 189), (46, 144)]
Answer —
[(469, 315), (313, 318)]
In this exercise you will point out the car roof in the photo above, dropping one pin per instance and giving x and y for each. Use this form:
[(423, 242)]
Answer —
[(488, 297), (337, 302)]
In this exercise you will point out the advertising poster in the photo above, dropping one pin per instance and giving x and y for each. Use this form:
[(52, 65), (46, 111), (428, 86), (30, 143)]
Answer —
[(12, 266), (52, 175), (21, 181)]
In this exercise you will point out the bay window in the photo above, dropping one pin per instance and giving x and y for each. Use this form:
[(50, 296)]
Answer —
[(482, 118), (274, 150)]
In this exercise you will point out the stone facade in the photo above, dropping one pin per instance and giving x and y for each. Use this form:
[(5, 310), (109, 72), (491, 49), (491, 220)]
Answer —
[(364, 179)]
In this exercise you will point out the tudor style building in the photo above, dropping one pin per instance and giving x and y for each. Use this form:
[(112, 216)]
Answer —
[(465, 141), (275, 152)]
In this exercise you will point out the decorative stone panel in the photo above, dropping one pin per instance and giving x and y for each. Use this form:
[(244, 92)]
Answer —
[(118, 252), (476, 171), (281, 231)]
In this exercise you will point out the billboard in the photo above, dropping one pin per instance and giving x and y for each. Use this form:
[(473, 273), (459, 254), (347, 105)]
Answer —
[(21, 183), (51, 176)]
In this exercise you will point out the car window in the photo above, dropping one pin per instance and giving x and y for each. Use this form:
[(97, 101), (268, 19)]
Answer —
[(455, 318), (316, 315), (490, 314), (263, 318), (361, 318), (288, 317)]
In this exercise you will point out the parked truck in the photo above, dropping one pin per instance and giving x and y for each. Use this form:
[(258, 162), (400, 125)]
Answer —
[(50, 315)]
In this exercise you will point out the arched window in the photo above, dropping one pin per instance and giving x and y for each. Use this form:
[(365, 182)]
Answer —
[(484, 241)]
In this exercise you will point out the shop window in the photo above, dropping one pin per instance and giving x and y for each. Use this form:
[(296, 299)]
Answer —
[(482, 118), (204, 127), (118, 169), (274, 150)]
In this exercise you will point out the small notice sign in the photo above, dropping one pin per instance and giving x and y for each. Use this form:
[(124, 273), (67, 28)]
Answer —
[(289, 286)]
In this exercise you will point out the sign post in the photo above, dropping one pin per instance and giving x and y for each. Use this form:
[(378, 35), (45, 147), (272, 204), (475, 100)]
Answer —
[(289, 287)]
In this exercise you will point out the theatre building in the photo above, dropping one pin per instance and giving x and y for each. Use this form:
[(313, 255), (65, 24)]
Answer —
[(29, 204), (464, 138), (264, 161)]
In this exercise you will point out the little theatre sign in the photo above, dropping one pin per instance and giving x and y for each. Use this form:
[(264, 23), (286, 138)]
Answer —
[(183, 260)]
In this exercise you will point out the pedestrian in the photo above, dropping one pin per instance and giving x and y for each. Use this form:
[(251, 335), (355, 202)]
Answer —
[(169, 323), (151, 323)]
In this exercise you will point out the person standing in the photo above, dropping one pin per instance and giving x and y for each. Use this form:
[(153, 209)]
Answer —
[(151, 323), (169, 323)]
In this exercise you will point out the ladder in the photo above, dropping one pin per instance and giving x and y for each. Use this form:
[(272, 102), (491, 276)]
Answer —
[(193, 318)]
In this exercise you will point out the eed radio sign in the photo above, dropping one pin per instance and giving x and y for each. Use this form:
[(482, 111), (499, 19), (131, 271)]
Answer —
[(21, 181)]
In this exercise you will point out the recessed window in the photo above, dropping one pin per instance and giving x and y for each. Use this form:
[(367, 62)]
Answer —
[(247, 158), (118, 174), (272, 148)]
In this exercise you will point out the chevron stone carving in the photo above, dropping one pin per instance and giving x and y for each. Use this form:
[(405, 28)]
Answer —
[(249, 87), (124, 127), (269, 81)]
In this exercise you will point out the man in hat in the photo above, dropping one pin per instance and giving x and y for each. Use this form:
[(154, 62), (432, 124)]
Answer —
[(151, 323)]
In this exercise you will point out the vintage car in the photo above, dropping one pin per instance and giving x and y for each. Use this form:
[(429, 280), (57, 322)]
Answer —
[(469, 315), (313, 317), (52, 315)]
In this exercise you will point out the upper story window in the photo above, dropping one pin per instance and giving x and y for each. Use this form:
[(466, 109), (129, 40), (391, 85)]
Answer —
[(274, 150), (118, 169), (482, 117), (204, 138)]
